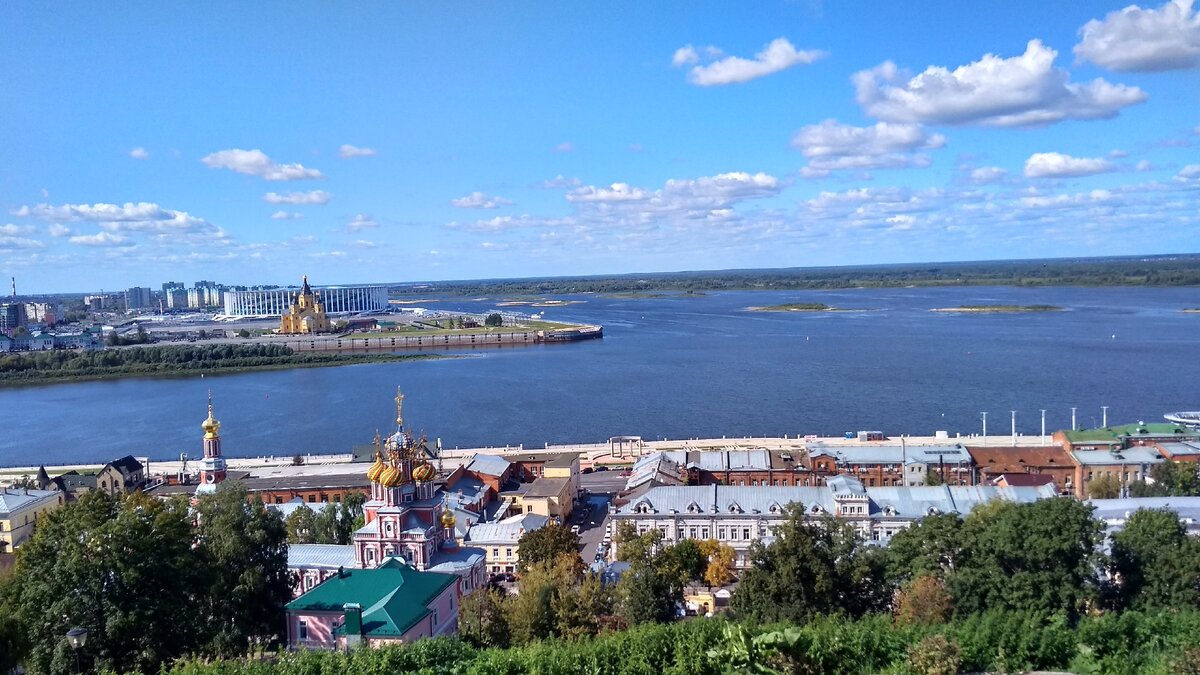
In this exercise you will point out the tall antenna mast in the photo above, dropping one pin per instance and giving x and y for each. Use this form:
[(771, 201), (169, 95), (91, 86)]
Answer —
[(14, 284)]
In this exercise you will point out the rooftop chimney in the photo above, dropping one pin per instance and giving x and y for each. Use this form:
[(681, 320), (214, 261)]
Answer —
[(352, 624)]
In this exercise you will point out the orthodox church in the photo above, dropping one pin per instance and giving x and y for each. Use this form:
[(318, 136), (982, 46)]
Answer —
[(407, 518), (306, 315)]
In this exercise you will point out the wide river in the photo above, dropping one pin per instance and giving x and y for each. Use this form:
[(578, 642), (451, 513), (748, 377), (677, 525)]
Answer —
[(676, 367)]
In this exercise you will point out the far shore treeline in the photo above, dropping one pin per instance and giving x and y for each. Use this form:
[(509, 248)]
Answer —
[(1174, 270), (170, 360)]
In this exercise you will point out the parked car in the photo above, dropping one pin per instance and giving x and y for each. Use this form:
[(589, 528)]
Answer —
[(602, 468), (587, 469), (626, 473), (575, 529)]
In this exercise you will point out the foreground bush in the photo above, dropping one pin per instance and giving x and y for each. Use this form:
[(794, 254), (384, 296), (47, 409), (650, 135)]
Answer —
[(995, 641)]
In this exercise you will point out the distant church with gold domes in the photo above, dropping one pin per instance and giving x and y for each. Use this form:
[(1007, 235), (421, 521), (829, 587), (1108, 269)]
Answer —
[(306, 315)]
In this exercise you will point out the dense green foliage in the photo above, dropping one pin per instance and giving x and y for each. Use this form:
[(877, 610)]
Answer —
[(172, 360), (545, 544), (996, 641), (147, 581), (335, 523), (1182, 270), (1169, 479)]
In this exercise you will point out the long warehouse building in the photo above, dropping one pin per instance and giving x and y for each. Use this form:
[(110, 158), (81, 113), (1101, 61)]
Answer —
[(336, 299)]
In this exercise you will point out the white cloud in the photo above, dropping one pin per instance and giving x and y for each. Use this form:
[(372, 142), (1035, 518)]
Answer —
[(348, 151), (478, 200), (1058, 165), (364, 243), (59, 230), (1188, 173), (361, 222), (128, 217), (832, 145), (284, 215), (560, 181), (1143, 165), (778, 55), (683, 195), (11, 243), (565, 146), (14, 230), (1024, 90), (987, 174), (617, 192), (257, 163), (685, 56), (1064, 201), (98, 239), (1143, 40), (139, 153), (312, 197)]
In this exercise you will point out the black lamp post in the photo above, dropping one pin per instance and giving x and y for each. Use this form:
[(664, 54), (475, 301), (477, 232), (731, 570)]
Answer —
[(77, 638)]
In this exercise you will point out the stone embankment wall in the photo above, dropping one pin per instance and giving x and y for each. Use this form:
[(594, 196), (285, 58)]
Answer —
[(387, 344)]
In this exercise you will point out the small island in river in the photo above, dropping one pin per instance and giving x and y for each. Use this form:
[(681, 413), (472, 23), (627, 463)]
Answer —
[(992, 309), (796, 307)]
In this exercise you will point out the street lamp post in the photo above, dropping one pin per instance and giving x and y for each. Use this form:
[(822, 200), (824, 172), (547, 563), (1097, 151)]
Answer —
[(77, 638)]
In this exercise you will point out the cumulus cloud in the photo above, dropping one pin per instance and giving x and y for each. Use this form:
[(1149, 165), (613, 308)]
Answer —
[(832, 145), (284, 215), (478, 200), (98, 239), (1064, 200), (312, 197), (366, 243), (59, 230), (348, 151), (139, 153), (1024, 90), (361, 222), (1058, 165), (1189, 173), (559, 182), (129, 217), (685, 56), (987, 174), (682, 196), (778, 55), (13, 230), (1143, 40), (257, 163), (11, 243)]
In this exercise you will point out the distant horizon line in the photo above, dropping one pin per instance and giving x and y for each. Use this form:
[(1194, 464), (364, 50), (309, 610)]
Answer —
[(680, 273)]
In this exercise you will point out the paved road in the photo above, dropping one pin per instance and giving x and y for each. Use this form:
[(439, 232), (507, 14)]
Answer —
[(603, 481), (601, 487)]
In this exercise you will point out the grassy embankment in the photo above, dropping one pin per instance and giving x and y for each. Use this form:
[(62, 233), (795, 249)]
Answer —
[(72, 366), (994, 309)]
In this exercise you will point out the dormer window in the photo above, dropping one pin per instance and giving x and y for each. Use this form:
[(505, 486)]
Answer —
[(693, 508), (933, 511), (889, 511), (816, 509), (643, 508), (734, 508), (774, 508)]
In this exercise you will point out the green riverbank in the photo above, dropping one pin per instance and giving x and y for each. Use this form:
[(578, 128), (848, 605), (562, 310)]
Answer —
[(172, 361)]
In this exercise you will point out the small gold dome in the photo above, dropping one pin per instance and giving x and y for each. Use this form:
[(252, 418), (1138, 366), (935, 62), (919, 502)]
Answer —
[(377, 468), (210, 425), (448, 518), (424, 472), (391, 477)]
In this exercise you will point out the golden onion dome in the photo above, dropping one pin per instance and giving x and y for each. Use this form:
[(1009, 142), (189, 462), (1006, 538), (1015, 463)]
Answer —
[(448, 518), (424, 473), (391, 477), (210, 425), (377, 468)]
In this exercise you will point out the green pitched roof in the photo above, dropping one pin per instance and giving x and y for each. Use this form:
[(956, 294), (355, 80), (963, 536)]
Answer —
[(1091, 436), (1155, 429), (393, 596)]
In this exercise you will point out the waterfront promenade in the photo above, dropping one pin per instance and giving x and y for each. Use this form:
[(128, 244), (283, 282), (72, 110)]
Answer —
[(617, 451)]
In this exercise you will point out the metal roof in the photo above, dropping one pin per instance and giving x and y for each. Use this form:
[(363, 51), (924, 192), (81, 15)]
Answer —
[(491, 465), (13, 500), (320, 556), (874, 453), (900, 502), (507, 531), (1134, 455)]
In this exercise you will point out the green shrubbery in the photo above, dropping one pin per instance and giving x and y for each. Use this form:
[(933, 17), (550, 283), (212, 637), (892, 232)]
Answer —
[(67, 364), (995, 641)]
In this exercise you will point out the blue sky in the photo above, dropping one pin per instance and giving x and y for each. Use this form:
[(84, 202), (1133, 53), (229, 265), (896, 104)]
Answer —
[(251, 143)]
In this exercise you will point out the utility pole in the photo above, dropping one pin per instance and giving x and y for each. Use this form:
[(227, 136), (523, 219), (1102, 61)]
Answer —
[(1074, 427), (1014, 426), (984, 428), (1043, 426), (1105, 409)]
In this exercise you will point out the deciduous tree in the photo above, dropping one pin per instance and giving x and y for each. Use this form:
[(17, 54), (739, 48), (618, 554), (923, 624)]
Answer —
[(1155, 563), (545, 545), (1104, 487)]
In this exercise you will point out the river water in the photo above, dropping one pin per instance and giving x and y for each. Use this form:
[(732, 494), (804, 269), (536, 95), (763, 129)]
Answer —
[(676, 367)]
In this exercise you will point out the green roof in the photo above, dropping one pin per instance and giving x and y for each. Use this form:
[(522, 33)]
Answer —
[(393, 596), (1155, 429), (1092, 436)]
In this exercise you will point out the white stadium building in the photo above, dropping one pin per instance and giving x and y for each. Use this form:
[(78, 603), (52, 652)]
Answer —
[(336, 299)]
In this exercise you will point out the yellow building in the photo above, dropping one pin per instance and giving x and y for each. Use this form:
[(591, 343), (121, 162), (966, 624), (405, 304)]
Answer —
[(550, 497), (19, 513), (306, 315)]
